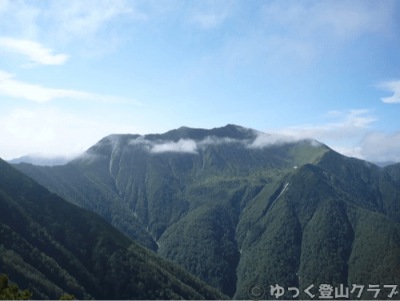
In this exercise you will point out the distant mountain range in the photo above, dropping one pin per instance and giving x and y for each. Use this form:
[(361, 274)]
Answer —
[(39, 159), (234, 206), (383, 164)]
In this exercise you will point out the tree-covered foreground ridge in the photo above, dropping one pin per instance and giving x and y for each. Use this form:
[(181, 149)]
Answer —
[(54, 248), (203, 214), (12, 292)]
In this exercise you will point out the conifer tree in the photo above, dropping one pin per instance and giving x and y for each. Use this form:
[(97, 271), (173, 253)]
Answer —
[(67, 297), (11, 292)]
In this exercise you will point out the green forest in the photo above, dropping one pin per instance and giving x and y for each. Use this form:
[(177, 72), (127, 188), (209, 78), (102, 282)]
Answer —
[(121, 222)]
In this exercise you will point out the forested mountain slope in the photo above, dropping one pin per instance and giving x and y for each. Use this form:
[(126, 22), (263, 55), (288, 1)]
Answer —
[(53, 247), (234, 206)]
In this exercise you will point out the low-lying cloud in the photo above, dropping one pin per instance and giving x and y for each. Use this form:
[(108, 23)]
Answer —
[(191, 146), (266, 140), (182, 146), (374, 147), (348, 132), (212, 140), (380, 147)]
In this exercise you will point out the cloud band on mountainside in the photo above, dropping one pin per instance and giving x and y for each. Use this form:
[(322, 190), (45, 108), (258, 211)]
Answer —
[(181, 146), (191, 146), (380, 147), (349, 134), (265, 140)]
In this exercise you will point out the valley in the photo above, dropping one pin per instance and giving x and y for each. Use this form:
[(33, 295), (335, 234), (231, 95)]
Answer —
[(234, 206)]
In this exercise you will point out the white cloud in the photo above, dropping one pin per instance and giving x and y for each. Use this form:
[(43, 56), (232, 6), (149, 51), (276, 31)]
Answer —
[(343, 133), (33, 50), (192, 146), (140, 141), (355, 152), (37, 93), (380, 147), (391, 86), (267, 139), (349, 125), (92, 26), (52, 132), (212, 140), (349, 134), (182, 146), (373, 147)]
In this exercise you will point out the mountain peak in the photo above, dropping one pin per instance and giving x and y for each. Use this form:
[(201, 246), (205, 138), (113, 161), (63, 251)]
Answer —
[(228, 131)]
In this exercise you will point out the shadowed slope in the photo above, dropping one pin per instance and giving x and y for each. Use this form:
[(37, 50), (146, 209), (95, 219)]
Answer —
[(52, 246)]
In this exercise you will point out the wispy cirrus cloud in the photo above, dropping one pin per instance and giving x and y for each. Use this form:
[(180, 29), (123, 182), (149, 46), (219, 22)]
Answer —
[(374, 147), (85, 18), (33, 50), (292, 33), (40, 94), (391, 86), (94, 26), (211, 13), (18, 18), (347, 132), (381, 147), (338, 19), (345, 125), (341, 130)]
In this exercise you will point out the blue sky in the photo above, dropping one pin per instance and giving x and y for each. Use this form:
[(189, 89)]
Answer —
[(72, 71)]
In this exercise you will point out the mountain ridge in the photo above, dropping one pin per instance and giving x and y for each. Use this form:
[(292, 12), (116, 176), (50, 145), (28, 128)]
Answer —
[(53, 247), (42, 160), (216, 204)]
